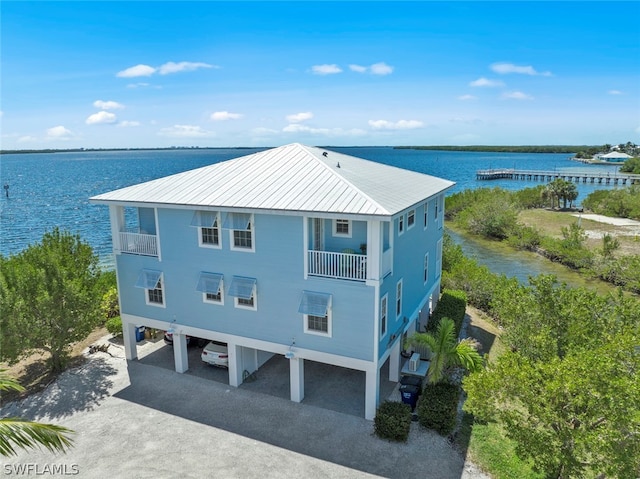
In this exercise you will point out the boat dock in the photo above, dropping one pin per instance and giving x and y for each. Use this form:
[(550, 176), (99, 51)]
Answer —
[(576, 177)]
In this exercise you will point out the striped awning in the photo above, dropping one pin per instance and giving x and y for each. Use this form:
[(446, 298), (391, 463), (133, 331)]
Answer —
[(315, 304), (209, 283), (242, 287), (148, 279)]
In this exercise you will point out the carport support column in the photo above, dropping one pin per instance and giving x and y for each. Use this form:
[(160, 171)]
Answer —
[(129, 338), (372, 392), (394, 361), (180, 352), (235, 364), (296, 377)]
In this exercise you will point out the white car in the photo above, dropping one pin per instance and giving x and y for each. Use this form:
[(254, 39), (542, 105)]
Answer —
[(216, 354)]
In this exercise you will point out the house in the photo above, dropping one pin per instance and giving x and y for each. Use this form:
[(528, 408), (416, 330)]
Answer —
[(295, 251), (614, 156)]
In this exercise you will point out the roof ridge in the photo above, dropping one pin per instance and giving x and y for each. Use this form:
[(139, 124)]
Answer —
[(342, 178)]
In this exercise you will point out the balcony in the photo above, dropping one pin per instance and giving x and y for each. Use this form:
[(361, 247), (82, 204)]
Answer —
[(138, 243), (348, 266)]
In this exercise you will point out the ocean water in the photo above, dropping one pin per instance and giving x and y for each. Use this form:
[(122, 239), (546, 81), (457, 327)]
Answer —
[(53, 189)]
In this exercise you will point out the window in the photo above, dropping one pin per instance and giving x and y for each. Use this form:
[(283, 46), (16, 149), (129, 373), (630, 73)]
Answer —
[(240, 226), (435, 215), (401, 225), (439, 258), (316, 311), (151, 282), (399, 299), (426, 215), (342, 228), (212, 288), (411, 219), (244, 292), (383, 315), (208, 228), (426, 268)]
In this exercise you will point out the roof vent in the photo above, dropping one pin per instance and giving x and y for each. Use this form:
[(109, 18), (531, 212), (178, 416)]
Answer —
[(324, 153), (338, 165)]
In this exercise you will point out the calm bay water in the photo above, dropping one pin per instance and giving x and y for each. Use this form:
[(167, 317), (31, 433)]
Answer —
[(53, 189)]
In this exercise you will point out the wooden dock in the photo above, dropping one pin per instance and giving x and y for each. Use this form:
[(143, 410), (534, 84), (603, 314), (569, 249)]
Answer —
[(576, 177)]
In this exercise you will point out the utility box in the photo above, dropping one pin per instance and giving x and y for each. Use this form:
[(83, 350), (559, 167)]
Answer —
[(414, 362)]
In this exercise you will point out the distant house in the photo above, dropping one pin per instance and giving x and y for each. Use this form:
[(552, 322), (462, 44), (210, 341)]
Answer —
[(615, 156), (294, 251)]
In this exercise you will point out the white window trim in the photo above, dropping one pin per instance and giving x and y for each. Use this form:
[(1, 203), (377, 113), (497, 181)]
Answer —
[(164, 294), (384, 315), (426, 215), (399, 298), (425, 273), (342, 235), (401, 225), (439, 258), (414, 219), (254, 295), (319, 333), (221, 290), (208, 245), (232, 245)]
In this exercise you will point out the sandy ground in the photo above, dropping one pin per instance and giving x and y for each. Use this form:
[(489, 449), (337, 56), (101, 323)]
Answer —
[(624, 226)]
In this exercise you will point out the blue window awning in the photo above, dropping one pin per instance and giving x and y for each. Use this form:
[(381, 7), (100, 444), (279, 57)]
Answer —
[(237, 221), (315, 304), (209, 283), (242, 287), (148, 279), (204, 219)]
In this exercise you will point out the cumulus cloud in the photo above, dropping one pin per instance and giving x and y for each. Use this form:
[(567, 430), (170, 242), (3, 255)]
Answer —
[(467, 97), (101, 117), (127, 123), (142, 70), (516, 95), (505, 68), (185, 131), (298, 117), (108, 105), (225, 115), (59, 133), (614, 92), (326, 69), (485, 82), (376, 69), (398, 125)]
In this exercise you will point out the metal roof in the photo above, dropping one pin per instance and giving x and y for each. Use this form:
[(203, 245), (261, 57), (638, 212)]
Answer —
[(294, 178)]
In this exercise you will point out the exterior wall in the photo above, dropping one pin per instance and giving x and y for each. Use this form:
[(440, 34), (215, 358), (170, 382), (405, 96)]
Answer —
[(410, 248), (278, 266)]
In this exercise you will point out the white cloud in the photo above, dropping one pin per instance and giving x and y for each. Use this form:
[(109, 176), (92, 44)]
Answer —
[(108, 105), (332, 132), (398, 125), (137, 71), (376, 69), (516, 95), (138, 85), (358, 68), (615, 92), (485, 82), (172, 67), (27, 139), (59, 133), (505, 68), (467, 97), (298, 117), (101, 117), (326, 69), (185, 131), (225, 115), (127, 123)]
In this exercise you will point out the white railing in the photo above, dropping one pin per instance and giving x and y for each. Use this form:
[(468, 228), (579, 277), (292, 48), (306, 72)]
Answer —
[(386, 262), (338, 265), (138, 243)]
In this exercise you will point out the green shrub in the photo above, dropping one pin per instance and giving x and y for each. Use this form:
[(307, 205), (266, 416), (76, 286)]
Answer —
[(392, 421), (114, 325), (525, 237), (452, 304), (438, 407)]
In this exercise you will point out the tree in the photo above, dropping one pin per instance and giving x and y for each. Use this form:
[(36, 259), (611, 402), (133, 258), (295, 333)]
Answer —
[(48, 298), (609, 245), (18, 433), (446, 351)]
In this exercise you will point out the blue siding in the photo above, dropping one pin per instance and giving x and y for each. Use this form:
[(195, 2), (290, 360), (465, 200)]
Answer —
[(278, 266)]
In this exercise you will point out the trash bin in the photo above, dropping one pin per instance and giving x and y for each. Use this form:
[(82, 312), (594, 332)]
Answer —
[(139, 333), (411, 381), (410, 395)]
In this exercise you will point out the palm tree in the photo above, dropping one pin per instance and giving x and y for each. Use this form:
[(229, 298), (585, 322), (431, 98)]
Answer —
[(446, 351), (18, 433)]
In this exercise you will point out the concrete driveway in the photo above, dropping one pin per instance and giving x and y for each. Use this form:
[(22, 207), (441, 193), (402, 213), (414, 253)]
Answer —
[(137, 420)]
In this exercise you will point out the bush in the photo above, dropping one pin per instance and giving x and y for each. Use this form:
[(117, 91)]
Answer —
[(525, 237), (114, 325), (438, 407), (392, 421), (452, 304)]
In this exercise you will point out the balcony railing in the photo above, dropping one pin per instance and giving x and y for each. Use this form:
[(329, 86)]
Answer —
[(338, 265), (138, 243)]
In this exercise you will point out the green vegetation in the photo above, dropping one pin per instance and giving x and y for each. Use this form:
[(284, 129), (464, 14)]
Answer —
[(504, 149), (21, 434), (452, 304), (438, 407), (393, 421), (621, 203), (49, 298), (632, 165)]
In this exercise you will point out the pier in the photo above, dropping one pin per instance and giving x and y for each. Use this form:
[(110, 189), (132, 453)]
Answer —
[(576, 177)]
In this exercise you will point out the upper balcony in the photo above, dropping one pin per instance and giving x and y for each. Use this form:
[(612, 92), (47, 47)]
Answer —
[(328, 264), (138, 243)]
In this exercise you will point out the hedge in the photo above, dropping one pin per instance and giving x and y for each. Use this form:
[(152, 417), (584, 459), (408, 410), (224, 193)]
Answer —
[(392, 421), (438, 407), (453, 305)]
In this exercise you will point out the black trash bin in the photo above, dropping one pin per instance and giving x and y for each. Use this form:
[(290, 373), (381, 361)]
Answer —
[(411, 381), (410, 395)]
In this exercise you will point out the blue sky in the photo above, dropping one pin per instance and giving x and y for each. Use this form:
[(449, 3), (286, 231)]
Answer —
[(158, 74)]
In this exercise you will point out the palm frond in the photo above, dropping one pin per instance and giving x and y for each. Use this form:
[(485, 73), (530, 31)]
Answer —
[(17, 433), (7, 383)]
